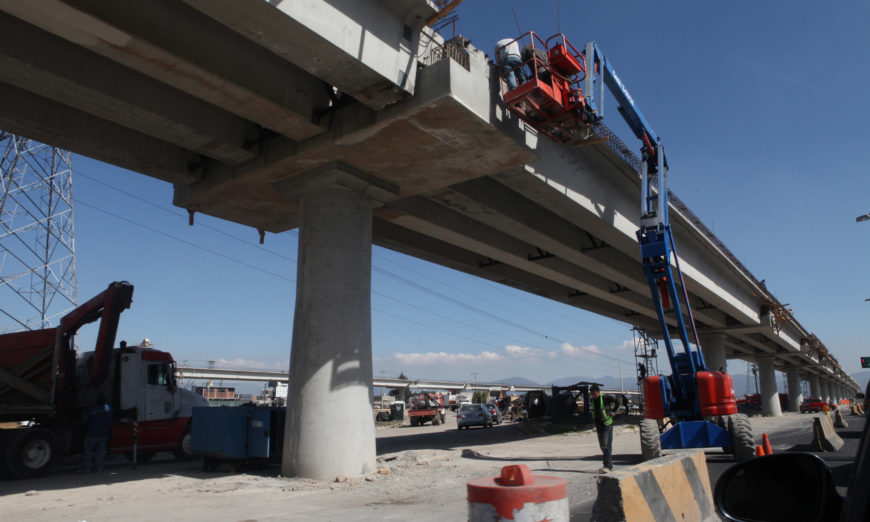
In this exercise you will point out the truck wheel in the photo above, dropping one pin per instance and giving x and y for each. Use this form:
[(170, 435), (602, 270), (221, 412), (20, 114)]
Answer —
[(31, 453), (184, 451), (741, 436), (436, 420), (650, 443)]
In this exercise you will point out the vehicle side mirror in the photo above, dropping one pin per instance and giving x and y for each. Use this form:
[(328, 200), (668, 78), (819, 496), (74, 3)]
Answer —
[(784, 486)]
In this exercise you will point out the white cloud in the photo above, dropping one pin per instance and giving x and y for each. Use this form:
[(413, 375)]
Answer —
[(246, 364), (523, 351), (570, 349), (628, 344), (435, 358)]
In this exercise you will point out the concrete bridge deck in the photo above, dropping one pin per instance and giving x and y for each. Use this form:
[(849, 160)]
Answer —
[(271, 114)]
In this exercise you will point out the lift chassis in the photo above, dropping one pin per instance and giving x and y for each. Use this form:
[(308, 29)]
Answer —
[(699, 403)]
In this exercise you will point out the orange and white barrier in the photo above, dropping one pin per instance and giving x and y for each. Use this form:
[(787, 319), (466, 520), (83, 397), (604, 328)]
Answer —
[(518, 495)]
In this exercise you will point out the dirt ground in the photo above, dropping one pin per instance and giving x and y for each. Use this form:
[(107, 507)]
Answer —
[(423, 473)]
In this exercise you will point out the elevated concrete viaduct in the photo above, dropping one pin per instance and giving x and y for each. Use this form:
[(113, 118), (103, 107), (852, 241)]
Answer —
[(354, 122)]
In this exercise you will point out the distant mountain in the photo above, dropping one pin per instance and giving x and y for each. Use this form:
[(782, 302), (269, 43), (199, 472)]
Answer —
[(517, 381), (861, 378)]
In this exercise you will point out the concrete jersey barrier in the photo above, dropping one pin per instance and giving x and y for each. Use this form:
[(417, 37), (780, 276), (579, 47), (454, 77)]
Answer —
[(673, 487), (839, 421), (824, 436)]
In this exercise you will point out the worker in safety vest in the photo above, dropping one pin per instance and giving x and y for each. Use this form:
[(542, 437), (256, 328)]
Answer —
[(507, 54), (603, 425)]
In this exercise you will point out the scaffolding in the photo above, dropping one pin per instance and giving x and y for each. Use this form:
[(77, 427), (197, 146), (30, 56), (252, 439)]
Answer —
[(646, 349), (38, 283)]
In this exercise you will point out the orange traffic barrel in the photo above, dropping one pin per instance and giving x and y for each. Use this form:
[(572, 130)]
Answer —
[(518, 495)]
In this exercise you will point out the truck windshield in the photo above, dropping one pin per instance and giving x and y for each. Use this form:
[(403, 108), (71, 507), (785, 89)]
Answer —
[(157, 374)]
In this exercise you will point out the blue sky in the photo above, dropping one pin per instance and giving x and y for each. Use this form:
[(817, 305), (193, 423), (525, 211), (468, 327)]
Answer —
[(761, 106)]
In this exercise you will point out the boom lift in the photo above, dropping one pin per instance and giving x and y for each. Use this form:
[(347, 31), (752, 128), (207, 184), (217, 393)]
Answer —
[(701, 404)]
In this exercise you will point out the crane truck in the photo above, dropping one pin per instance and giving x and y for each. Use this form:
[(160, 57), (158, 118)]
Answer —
[(563, 99), (426, 407), (46, 388)]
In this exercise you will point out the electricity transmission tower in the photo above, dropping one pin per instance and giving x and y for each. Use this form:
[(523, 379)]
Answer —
[(37, 241)]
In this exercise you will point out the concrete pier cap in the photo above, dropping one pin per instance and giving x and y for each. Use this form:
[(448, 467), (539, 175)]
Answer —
[(329, 428)]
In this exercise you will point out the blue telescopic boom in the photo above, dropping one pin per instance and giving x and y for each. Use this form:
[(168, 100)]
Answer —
[(654, 236)]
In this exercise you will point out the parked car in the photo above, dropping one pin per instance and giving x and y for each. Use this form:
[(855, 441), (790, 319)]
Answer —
[(473, 415), (813, 404), (495, 412)]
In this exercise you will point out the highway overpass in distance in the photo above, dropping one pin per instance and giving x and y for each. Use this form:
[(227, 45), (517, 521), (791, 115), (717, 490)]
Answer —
[(215, 374)]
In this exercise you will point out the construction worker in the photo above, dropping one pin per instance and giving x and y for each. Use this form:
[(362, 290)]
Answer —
[(507, 54), (98, 427), (536, 59), (603, 425)]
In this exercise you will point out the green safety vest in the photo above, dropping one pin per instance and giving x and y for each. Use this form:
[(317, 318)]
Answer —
[(599, 413)]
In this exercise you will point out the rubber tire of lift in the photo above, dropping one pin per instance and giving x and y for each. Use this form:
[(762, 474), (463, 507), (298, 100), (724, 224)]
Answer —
[(741, 436), (14, 458), (722, 422), (650, 443)]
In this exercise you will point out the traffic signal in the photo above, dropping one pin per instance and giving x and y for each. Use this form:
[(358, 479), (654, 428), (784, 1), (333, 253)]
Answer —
[(865, 362)]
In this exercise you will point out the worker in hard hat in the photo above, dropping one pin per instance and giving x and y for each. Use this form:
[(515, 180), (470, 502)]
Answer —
[(603, 426), (507, 54)]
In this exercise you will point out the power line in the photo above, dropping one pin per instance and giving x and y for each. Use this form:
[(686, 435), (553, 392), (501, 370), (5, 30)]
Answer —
[(289, 258), (502, 305), (291, 280), (186, 242)]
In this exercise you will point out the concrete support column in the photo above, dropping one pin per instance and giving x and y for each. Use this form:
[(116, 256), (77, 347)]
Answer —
[(815, 386), (402, 394), (794, 389), (824, 390), (767, 384), (329, 414), (713, 348)]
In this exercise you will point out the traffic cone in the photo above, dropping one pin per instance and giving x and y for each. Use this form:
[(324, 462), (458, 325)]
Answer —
[(759, 451), (766, 442)]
